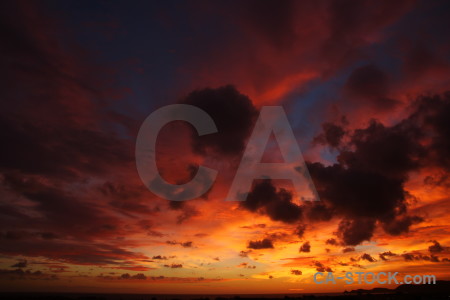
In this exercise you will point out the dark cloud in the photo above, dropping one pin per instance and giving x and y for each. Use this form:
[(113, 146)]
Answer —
[(332, 242), (346, 33), (59, 132), (246, 265), (366, 186), (274, 21), (320, 267), (159, 257), (332, 135), (188, 212), (88, 253), (61, 209), (19, 274), (306, 247), (244, 253), (174, 266), (187, 244), (289, 38), (138, 276), (265, 198), (408, 256), (317, 211), (23, 234), (20, 264), (126, 198), (278, 236), (300, 230), (344, 188), (386, 254), (388, 151), (431, 117), (368, 257), (296, 272), (400, 225), (233, 114), (254, 226), (348, 249), (354, 231), (420, 58), (369, 85), (262, 244), (436, 247), (74, 150), (418, 257), (201, 235), (155, 233)]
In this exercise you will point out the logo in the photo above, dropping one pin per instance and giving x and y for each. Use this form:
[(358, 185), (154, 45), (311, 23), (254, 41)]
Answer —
[(271, 120)]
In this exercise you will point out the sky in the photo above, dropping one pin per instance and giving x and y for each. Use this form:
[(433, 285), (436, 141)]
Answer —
[(365, 86)]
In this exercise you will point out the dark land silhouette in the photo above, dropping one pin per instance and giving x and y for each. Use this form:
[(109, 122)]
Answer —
[(438, 291)]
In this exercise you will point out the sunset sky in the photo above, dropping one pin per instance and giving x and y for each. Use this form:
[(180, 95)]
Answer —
[(365, 85)]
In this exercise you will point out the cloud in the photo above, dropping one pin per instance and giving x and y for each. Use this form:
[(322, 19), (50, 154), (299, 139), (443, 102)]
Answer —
[(300, 230), (20, 264), (413, 257), (436, 247), (159, 257), (174, 266), (321, 267), (332, 242), (244, 253), (262, 244), (126, 198), (19, 274), (292, 48), (317, 211), (74, 253), (265, 198), (367, 257), (296, 272), (187, 244), (188, 212), (386, 254), (306, 247), (138, 276), (132, 268), (246, 265), (159, 279), (61, 209), (348, 249), (232, 112), (366, 185), (69, 185), (368, 86), (57, 123), (273, 21), (332, 135), (408, 256), (255, 226), (401, 224)]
